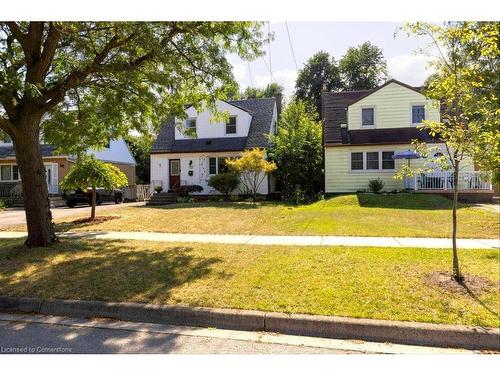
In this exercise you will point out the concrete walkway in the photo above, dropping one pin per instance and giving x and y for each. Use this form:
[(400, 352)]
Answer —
[(430, 243)]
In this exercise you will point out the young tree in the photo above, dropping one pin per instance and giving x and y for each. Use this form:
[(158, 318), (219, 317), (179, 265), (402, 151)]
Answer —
[(83, 83), (466, 84), (252, 167), (363, 67), (298, 151), (320, 73), (268, 92), (89, 172)]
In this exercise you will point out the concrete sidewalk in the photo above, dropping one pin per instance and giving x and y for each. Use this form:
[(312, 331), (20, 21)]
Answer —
[(430, 243)]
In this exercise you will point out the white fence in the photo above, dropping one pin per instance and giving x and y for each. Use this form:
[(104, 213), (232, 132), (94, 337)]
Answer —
[(137, 192), (444, 181)]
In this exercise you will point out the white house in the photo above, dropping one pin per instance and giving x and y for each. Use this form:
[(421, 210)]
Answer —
[(363, 132), (189, 152)]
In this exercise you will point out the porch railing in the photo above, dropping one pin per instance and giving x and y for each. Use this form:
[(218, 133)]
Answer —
[(444, 181)]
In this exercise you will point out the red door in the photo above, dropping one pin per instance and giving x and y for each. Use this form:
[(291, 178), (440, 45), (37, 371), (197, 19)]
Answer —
[(175, 174)]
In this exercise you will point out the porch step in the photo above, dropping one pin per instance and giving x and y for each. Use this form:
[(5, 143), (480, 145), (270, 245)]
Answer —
[(162, 199)]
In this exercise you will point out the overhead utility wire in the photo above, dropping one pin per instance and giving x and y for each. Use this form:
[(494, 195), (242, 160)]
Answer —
[(291, 45)]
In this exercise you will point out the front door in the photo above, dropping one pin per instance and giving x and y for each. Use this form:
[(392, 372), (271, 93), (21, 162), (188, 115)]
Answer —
[(51, 178), (175, 174)]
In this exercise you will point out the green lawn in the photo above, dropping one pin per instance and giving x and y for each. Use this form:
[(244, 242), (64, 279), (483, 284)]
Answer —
[(401, 215), (381, 283)]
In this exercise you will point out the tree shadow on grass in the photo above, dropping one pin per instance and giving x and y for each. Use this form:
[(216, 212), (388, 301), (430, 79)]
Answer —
[(476, 298), (101, 270), (223, 205), (406, 201)]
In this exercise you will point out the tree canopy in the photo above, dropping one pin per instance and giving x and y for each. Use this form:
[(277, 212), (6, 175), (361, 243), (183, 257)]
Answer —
[(320, 73), (89, 172), (297, 150), (267, 92), (252, 167), (363, 67), (98, 80)]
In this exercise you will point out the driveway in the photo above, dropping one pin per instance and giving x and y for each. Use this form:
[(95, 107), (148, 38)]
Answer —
[(16, 216)]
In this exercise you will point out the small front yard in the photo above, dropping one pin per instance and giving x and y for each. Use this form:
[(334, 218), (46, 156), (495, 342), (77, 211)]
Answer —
[(401, 215), (379, 283)]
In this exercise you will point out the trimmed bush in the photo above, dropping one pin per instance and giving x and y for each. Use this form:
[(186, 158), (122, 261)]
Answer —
[(224, 183), (2, 205), (376, 186), (185, 190)]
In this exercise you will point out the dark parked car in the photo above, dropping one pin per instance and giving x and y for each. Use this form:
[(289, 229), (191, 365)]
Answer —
[(102, 195)]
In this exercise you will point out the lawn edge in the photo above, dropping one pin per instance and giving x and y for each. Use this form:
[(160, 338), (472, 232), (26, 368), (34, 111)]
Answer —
[(397, 332)]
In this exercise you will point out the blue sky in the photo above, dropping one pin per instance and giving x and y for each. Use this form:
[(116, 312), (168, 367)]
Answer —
[(335, 38)]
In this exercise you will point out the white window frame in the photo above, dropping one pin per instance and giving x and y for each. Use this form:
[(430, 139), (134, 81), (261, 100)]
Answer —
[(366, 160), (350, 161), (235, 126), (11, 173), (216, 165), (382, 161), (374, 117), (188, 128), (365, 164), (411, 112)]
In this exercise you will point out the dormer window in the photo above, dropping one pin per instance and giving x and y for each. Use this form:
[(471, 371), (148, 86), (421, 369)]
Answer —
[(417, 114), (191, 126), (368, 117), (231, 125)]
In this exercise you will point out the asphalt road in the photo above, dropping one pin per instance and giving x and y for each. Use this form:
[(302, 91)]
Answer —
[(31, 333), (30, 337), (16, 216)]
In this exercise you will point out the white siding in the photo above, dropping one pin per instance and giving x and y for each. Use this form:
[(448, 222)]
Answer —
[(392, 105), (196, 162), (339, 178), (205, 128), (118, 152)]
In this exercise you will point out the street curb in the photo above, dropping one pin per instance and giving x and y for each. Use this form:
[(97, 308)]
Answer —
[(424, 334)]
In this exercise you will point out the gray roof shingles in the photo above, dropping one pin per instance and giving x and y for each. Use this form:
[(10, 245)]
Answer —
[(262, 114), (9, 152)]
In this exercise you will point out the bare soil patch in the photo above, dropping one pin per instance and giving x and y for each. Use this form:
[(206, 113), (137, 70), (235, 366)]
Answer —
[(96, 220), (472, 284)]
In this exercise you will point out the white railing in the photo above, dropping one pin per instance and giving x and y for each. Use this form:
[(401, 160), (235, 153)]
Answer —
[(444, 181)]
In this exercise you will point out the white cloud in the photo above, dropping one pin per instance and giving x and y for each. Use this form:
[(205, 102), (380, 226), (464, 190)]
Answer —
[(410, 69), (239, 72), (284, 77)]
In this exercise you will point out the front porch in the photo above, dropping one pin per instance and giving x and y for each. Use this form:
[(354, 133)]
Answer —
[(472, 186), (440, 181)]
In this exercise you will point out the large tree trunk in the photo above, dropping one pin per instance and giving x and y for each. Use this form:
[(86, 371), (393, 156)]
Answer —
[(456, 266), (35, 191)]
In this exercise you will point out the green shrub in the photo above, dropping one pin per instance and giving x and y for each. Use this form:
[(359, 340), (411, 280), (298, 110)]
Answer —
[(234, 198), (186, 190), (225, 183), (376, 186), (2, 205)]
